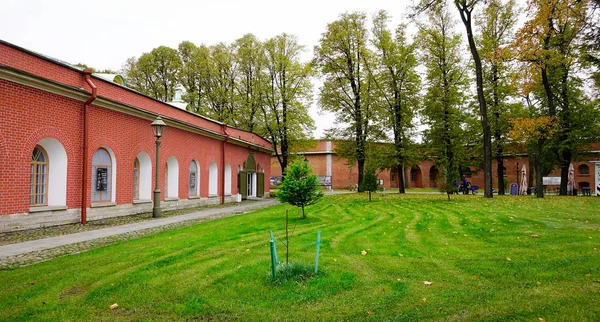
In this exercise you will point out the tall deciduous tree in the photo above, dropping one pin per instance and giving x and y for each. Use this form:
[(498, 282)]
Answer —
[(591, 45), (154, 73), (548, 41), (445, 84), (397, 85), (194, 73), (249, 58), (341, 57), (287, 95), (465, 9), (220, 95), (496, 25)]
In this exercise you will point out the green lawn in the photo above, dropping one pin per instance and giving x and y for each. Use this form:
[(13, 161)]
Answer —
[(478, 254)]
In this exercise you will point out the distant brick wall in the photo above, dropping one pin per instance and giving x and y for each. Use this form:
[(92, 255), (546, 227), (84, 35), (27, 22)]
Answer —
[(343, 175)]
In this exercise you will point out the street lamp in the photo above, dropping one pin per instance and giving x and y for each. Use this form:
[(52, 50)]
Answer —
[(158, 128), (518, 185)]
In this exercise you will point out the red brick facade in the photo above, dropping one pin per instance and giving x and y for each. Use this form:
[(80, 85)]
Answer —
[(343, 176), (41, 98)]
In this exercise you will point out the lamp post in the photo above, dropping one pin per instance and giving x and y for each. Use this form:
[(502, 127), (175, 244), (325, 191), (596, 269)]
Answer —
[(158, 127), (518, 185)]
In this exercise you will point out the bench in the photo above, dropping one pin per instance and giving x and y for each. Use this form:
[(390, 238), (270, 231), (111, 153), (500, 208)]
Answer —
[(586, 191)]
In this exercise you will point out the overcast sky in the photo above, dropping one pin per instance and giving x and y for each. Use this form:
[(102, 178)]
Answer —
[(103, 34)]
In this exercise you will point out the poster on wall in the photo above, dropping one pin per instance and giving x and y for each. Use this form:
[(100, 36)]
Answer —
[(324, 180), (192, 180), (551, 181), (101, 179)]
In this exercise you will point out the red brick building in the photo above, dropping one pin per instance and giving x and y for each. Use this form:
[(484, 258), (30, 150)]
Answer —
[(65, 146), (327, 164)]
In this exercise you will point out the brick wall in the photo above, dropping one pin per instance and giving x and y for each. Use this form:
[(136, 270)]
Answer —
[(30, 115), (342, 175)]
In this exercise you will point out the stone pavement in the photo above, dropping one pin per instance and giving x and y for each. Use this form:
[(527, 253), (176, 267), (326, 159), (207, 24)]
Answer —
[(28, 252)]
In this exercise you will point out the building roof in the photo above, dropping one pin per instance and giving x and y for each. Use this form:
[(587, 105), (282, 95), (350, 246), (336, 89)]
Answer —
[(115, 78)]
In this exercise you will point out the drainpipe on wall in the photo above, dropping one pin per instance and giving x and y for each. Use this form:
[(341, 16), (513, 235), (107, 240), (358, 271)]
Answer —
[(223, 164), (84, 186)]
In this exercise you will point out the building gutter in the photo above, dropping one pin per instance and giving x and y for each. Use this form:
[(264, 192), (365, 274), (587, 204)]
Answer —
[(86, 120), (223, 163)]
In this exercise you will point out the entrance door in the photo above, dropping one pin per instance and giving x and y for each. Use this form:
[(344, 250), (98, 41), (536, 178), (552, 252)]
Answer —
[(250, 184), (243, 184), (260, 184)]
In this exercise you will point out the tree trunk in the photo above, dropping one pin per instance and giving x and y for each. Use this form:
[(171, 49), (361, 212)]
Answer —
[(530, 174), (539, 183), (567, 152), (564, 171), (400, 171), (285, 153), (360, 155), (406, 178), (500, 169), (465, 15), (398, 138), (497, 132), (303, 214)]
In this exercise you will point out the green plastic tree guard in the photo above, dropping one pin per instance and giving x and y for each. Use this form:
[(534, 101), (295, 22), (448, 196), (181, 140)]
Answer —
[(317, 253)]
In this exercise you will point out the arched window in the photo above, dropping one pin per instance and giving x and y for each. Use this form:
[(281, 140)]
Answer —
[(584, 170), (38, 195), (172, 178), (433, 177), (136, 179), (144, 176), (414, 171), (213, 176), (227, 179), (166, 192), (193, 180), (102, 176), (48, 175)]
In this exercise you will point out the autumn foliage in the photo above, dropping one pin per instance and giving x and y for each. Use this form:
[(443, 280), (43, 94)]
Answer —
[(526, 129)]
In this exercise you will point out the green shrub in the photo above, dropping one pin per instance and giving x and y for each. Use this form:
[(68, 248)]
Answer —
[(299, 188)]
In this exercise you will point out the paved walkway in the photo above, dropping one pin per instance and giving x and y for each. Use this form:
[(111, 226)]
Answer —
[(33, 246)]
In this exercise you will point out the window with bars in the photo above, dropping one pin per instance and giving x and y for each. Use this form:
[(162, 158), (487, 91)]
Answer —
[(38, 195), (101, 176)]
